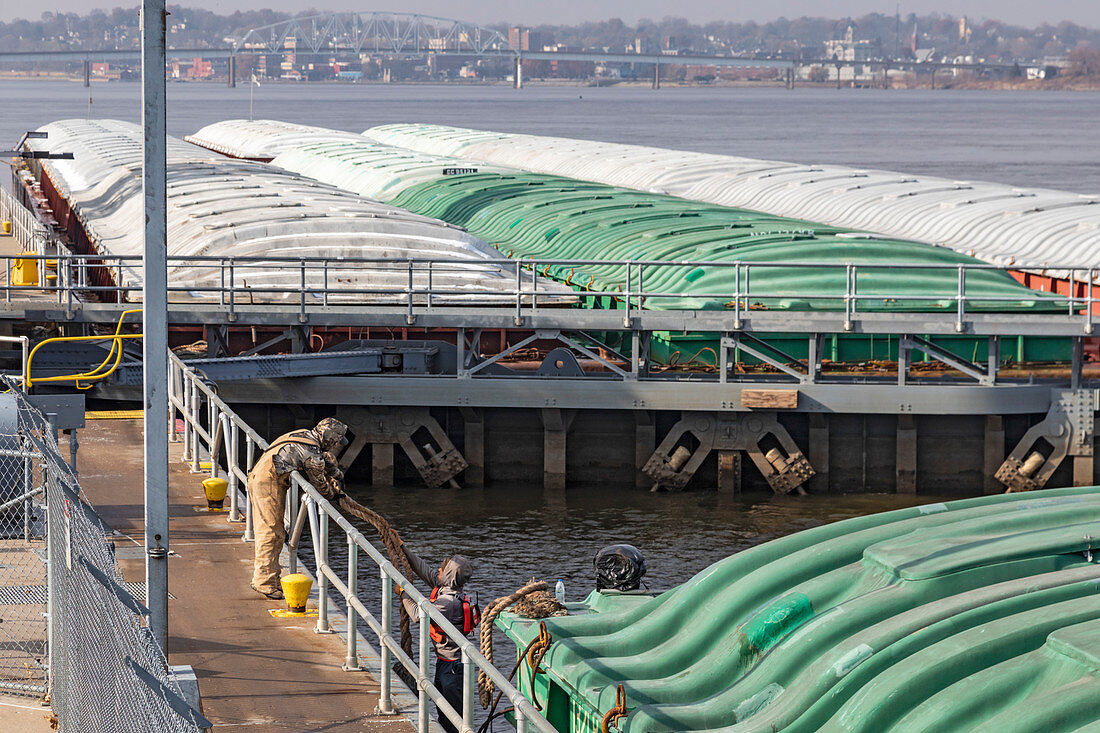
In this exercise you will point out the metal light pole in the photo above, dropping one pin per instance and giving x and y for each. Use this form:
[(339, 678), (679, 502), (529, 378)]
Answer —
[(155, 317)]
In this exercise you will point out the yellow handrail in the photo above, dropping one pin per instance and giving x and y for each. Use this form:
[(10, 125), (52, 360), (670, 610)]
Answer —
[(95, 374)]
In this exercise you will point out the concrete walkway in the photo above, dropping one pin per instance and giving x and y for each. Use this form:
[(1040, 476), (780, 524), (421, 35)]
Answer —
[(256, 672), (24, 715)]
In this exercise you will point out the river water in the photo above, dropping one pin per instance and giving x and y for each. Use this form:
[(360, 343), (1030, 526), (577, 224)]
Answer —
[(1024, 138), (513, 533)]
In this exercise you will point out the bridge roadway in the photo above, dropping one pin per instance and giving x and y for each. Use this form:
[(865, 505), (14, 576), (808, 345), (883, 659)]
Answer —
[(586, 56)]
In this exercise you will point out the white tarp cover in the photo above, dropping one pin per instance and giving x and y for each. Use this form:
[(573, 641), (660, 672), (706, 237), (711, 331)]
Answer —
[(351, 162), (1031, 228), (261, 139), (230, 208)]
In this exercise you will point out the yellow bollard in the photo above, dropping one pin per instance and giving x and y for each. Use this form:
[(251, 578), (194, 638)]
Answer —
[(215, 492), (24, 271), (7, 227), (296, 589)]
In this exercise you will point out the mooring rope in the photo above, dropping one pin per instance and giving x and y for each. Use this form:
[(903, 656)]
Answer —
[(532, 601), (392, 542)]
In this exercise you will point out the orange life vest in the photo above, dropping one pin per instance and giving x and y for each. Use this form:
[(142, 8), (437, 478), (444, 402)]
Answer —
[(471, 617)]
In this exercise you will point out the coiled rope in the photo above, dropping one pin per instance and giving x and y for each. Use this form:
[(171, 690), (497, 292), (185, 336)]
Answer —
[(485, 686)]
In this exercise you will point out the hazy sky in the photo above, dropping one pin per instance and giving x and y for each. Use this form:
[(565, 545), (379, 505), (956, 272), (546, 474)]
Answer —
[(1026, 12)]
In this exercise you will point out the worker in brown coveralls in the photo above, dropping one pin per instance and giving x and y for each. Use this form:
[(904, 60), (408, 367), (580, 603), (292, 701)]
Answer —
[(310, 453)]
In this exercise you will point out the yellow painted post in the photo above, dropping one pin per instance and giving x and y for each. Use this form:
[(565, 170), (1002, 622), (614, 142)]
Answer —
[(215, 489), (296, 588)]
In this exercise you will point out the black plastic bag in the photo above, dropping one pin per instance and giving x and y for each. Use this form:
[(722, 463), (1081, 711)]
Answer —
[(619, 567)]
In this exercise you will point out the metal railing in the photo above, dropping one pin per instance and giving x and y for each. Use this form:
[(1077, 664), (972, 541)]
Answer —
[(312, 284), (211, 427), (30, 233)]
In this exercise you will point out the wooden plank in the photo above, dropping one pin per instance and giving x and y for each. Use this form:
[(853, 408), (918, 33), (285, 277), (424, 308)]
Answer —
[(769, 399)]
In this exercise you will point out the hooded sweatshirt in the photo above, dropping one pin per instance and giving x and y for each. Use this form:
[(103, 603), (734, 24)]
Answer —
[(450, 579)]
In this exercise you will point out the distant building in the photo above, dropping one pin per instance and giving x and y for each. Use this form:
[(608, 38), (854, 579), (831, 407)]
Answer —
[(964, 29), (201, 69), (525, 39), (849, 49)]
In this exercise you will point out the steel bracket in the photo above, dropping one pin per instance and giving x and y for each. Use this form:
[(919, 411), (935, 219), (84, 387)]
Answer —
[(437, 464), (1068, 428), (785, 471)]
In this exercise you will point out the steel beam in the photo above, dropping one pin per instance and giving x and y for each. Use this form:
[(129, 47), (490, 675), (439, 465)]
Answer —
[(591, 393), (155, 316)]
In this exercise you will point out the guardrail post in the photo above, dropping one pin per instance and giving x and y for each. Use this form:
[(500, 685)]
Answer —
[(521, 719), (535, 288), (409, 317), (961, 298), (1088, 300), (351, 662), (385, 700), (215, 438), (518, 318), (196, 401), (173, 397), (232, 293), (849, 296), (185, 397), (293, 510), (737, 296), (249, 454), (302, 314), (421, 691), (231, 463), (469, 689), (629, 281), (322, 578)]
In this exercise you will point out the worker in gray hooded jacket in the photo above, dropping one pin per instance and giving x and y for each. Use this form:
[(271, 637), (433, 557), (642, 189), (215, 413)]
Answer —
[(447, 582)]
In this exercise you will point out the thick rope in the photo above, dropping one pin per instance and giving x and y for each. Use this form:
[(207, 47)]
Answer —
[(485, 686), (392, 542)]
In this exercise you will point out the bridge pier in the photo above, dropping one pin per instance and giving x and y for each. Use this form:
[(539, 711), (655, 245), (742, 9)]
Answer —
[(656, 76), (232, 72), (517, 76), (87, 73), (790, 77)]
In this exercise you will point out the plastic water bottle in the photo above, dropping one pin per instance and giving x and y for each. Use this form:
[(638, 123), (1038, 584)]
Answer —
[(559, 591)]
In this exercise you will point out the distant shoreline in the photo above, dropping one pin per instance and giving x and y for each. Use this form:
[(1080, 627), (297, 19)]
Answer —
[(902, 83)]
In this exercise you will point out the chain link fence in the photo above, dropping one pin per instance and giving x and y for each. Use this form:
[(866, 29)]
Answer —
[(106, 671), (23, 663)]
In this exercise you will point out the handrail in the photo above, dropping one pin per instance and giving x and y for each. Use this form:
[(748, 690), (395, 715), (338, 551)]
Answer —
[(186, 392), (95, 374), (414, 283), (26, 229), (24, 371)]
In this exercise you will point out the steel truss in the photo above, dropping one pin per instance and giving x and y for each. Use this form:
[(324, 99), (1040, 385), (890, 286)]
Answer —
[(378, 32)]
